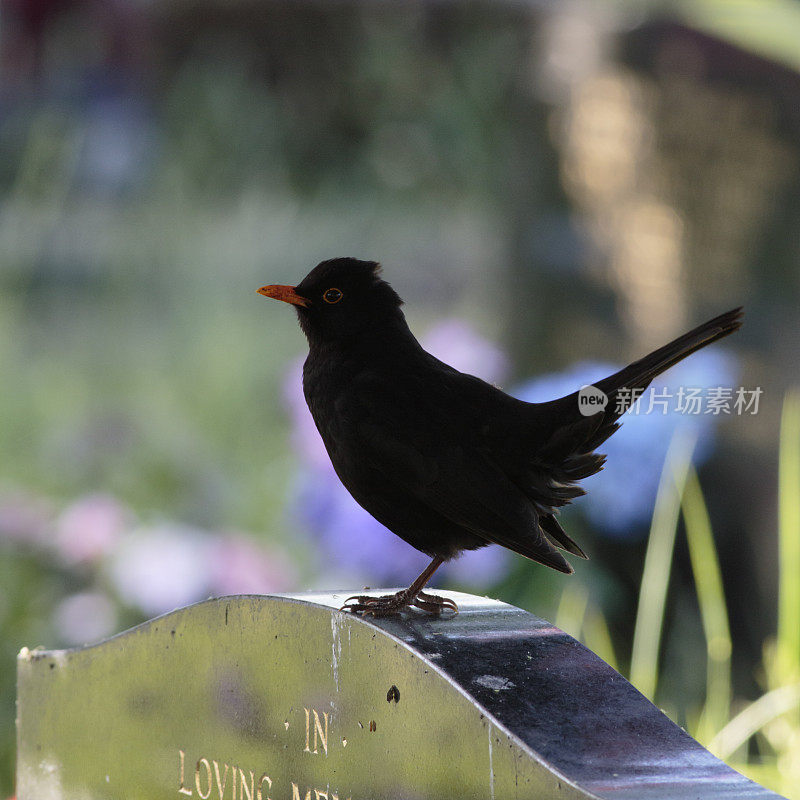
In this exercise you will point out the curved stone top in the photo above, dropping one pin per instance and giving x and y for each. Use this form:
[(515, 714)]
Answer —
[(289, 697), (568, 706)]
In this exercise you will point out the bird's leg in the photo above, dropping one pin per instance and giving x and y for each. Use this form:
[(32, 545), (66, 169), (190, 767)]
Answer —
[(413, 596)]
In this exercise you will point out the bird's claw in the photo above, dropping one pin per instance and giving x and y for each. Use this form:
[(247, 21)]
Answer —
[(434, 604), (390, 604), (383, 606)]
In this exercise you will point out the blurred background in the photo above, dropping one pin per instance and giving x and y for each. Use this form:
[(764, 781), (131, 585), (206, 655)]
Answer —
[(554, 188)]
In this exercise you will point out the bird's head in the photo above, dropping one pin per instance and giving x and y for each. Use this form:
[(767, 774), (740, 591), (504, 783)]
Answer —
[(340, 298)]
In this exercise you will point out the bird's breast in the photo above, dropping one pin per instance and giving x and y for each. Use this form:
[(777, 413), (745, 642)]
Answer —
[(330, 388)]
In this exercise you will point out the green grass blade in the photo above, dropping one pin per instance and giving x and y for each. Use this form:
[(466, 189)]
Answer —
[(577, 617), (597, 637), (753, 718), (657, 564), (572, 609), (713, 611), (788, 644)]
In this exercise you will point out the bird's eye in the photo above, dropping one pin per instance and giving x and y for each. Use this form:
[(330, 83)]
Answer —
[(332, 296)]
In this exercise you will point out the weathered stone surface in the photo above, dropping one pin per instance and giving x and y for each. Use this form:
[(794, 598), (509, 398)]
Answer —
[(253, 697)]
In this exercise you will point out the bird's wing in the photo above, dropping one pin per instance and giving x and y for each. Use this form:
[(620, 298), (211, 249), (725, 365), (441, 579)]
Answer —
[(429, 444)]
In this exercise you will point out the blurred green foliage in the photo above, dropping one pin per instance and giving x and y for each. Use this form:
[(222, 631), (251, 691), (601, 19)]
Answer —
[(143, 364), (149, 183)]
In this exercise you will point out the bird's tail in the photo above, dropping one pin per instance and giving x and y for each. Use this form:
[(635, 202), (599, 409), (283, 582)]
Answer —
[(637, 376), (568, 454), (568, 450), (623, 387)]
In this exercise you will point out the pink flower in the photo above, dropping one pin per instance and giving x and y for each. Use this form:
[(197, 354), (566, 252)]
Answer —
[(161, 568), (90, 528), (240, 565), (85, 617)]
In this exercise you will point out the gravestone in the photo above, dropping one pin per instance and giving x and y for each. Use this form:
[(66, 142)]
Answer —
[(287, 698)]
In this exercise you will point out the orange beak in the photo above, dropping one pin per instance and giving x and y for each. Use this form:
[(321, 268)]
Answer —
[(285, 293)]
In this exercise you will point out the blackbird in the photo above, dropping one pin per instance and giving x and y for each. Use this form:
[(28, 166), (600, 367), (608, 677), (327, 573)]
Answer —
[(443, 459)]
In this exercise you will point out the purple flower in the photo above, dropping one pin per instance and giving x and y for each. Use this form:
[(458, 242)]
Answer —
[(306, 441), (457, 343), (354, 547), (621, 498)]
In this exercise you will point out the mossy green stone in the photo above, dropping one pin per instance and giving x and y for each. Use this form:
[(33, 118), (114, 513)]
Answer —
[(256, 697)]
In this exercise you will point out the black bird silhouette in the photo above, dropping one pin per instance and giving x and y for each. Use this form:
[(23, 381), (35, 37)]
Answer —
[(445, 460)]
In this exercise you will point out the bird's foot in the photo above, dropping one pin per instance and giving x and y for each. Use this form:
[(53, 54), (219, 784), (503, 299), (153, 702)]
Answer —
[(389, 604), (434, 604)]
